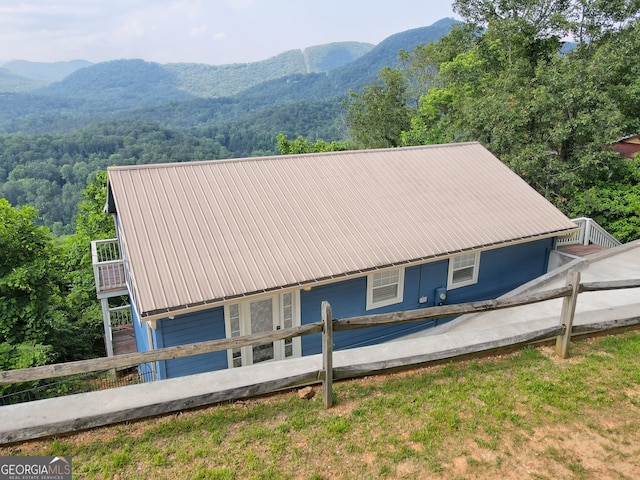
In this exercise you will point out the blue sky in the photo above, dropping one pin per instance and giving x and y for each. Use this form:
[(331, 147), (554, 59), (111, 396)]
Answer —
[(203, 31)]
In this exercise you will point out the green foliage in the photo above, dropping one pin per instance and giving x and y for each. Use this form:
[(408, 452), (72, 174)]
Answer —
[(29, 284), (22, 355), (304, 145), (378, 116), (48, 308), (548, 113), (84, 331)]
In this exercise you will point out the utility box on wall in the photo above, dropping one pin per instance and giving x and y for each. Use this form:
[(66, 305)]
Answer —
[(440, 297)]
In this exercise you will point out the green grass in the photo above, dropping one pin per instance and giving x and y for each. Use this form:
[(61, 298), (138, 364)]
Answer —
[(522, 415)]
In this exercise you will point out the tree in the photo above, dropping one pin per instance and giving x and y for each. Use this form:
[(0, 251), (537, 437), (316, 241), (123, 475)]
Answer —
[(304, 145), (29, 286), (48, 307), (82, 308), (378, 116), (549, 114), (584, 20)]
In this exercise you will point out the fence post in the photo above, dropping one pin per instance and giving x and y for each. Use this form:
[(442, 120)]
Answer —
[(567, 314), (327, 355)]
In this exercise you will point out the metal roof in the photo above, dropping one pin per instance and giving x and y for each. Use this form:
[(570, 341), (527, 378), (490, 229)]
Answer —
[(201, 232)]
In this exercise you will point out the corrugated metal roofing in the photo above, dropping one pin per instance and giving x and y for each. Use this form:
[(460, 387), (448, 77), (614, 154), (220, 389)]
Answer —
[(202, 232)]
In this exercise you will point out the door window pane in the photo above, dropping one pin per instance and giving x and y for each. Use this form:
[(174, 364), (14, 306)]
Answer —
[(261, 313), (287, 311)]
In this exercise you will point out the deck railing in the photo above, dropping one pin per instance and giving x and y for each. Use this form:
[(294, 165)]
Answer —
[(590, 233), (120, 317), (108, 266)]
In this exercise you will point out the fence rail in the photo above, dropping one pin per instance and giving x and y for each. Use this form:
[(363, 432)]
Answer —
[(564, 330)]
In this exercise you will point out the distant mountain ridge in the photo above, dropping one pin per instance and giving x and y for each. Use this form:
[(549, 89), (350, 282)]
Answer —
[(197, 79), (187, 95), (42, 72)]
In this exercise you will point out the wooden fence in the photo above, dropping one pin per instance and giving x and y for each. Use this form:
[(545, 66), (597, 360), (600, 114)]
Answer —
[(561, 333)]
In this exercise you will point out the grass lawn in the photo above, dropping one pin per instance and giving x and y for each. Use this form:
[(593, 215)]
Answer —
[(525, 415)]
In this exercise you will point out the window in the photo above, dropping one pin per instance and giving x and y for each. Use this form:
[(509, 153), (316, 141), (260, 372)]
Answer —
[(385, 288), (263, 315), (463, 270)]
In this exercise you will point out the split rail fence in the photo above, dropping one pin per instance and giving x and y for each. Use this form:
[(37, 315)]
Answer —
[(561, 333)]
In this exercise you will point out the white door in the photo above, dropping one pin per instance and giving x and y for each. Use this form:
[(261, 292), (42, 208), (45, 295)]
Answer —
[(263, 315)]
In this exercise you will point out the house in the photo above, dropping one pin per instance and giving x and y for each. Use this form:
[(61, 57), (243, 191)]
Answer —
[(628, 146), (220, 249)]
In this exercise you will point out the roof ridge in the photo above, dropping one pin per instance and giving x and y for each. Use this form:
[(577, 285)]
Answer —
[(189, 163)]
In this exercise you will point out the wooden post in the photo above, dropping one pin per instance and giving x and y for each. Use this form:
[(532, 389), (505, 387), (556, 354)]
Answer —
[(106, 322), (327, 355), (568, 312)]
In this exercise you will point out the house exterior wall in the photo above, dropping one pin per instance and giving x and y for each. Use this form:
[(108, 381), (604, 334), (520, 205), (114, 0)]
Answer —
[(143, 342), (191, 328), (500, 270)]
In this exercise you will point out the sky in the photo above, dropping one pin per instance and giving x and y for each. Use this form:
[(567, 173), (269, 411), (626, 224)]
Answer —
[(203, 31)]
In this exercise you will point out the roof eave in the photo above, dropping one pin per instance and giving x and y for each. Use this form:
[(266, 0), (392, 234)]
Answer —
[(206, 304)]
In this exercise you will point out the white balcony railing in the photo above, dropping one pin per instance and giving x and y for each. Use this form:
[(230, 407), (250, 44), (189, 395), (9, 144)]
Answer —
[(120, 317), (108, 266), (590, 233)]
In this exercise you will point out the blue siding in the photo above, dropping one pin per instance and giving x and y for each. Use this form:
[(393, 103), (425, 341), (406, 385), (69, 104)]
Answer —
[(142, 343), (501, 270), (193, 328), (348, 299), (140, 328), (504, 269)]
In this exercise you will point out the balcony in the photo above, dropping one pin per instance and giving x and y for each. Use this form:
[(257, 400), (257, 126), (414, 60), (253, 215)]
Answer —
[(108, 268), (590, 238)]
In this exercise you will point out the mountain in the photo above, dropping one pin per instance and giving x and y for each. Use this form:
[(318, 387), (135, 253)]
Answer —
[(13, 83), (195, 79), (118, 85), (192, 95), (213, 81), (45, 73), (364, 70)]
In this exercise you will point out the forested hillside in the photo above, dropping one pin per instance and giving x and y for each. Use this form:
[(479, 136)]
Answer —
[(131, 111)]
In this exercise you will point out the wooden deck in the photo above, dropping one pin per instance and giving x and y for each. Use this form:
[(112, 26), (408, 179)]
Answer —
[(581, 250), (124, 340)]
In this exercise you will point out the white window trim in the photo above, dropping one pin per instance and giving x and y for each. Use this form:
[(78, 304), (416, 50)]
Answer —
[(243, 307), (397, 299), (473, 280)]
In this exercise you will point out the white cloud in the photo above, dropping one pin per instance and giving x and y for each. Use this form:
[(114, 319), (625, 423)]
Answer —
[(220, 36)]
